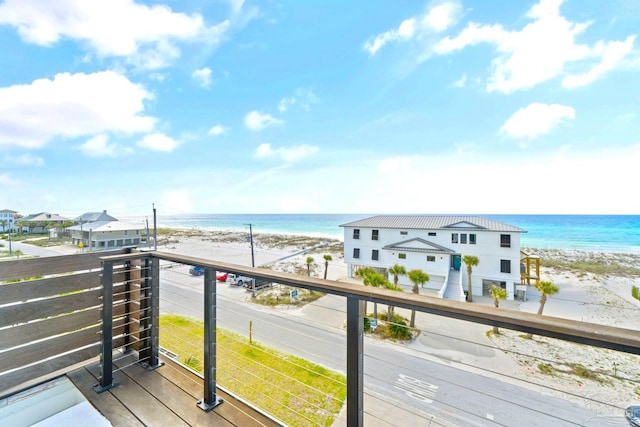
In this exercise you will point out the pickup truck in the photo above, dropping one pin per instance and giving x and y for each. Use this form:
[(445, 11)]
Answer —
[(234, 279)]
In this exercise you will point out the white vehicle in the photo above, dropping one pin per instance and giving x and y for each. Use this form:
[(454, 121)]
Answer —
[(239, 280)]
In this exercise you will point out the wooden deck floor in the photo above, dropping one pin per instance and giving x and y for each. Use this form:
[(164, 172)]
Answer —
[(166, 396)]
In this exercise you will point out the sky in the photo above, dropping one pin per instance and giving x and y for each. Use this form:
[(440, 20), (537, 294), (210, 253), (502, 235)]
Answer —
[(268, 106)]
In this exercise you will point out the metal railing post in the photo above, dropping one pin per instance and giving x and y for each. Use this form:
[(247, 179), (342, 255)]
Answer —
[(106, 344), (145, 311), (355, 361), (154, 309), (210, 399)]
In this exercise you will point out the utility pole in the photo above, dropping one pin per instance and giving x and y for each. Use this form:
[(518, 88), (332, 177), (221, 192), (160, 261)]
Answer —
[(155, 229), (10, 251), (253, 262)]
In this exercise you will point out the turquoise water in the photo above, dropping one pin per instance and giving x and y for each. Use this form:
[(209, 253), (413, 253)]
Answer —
[(606, 233)]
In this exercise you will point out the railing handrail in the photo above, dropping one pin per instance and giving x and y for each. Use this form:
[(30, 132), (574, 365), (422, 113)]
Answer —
[(597, 335)]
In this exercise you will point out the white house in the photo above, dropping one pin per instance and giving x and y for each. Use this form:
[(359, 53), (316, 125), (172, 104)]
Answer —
[(107, 234), (436, 245), (7, 219)]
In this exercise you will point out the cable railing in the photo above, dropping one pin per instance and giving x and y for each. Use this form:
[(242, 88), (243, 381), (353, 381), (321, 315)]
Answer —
[(387, 382)]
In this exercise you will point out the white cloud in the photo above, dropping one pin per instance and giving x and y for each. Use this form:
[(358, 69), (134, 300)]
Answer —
[(285, 103), (461, 82), (180, 200), (25, 160), (536, 119), (435, 20), (539, 51), (218, 130), (71, 105), (158, 142), (202, 76), (117, 28), (256, 121), (303, 97), (289, 155), (612, 55), (6, 179), (98, 146)]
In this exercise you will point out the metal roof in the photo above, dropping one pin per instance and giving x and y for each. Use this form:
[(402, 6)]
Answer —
[(434, 222), (107, 226)]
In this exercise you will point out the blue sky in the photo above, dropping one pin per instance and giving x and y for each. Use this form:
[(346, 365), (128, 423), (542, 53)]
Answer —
[(464, 107)]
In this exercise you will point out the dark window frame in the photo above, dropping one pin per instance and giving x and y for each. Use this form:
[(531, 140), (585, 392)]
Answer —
[(454, 237), (402, 256), (375, 254), (505, 266), (375, 234), (472, 239), (505, 240), (463, 238), (431, 258), (356, 233), (356, 253)]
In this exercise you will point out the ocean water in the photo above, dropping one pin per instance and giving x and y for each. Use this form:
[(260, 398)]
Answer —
[(605, 233)]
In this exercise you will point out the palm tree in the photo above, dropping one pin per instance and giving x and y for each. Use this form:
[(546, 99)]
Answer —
[(309, 261), (498, 293), (376, 280), (470, 261), (396, 270), (417, 277), (546, 288), (365, 272), (4, 223), (327, 258)]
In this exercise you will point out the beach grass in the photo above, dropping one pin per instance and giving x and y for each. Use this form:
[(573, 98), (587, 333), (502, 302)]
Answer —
[(287, 387)]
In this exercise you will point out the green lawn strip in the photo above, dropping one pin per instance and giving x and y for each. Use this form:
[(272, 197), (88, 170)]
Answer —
[(290, 388)]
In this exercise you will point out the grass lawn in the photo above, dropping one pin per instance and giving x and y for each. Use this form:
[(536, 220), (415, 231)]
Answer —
[(289, 388)]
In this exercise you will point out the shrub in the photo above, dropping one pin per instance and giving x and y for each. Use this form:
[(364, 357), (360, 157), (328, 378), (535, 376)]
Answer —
[(635, 292), (367, 324), (400, 330)]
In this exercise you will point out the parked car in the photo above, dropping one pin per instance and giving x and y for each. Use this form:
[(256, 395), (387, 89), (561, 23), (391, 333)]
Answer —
[(222, 277), (196, 270), (632, 414)]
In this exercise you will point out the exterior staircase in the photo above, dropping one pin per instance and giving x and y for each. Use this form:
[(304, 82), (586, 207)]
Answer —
[(454, 286)]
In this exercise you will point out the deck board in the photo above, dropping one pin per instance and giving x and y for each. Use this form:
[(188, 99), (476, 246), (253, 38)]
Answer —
[(165, 396)]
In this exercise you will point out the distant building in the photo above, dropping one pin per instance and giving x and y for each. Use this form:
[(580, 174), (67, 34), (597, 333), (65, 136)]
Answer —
[(37, 223), (94, 217), (7, 219), (106, 232), (436, 245)]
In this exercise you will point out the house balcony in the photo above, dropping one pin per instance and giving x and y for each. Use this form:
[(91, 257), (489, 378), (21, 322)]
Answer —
[(145, 343)]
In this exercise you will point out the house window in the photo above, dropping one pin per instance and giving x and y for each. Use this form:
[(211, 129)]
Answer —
[(472, 239), (356, 233), (374, 254), (431, 258), (463, 238), (402, 256), (505, 266), (454, 237), (432, 233), (356, 252), (403, 233), (505, 240), (374, 234)]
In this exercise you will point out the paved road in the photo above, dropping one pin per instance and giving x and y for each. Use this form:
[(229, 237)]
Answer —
[(29, 249), (403, 386)]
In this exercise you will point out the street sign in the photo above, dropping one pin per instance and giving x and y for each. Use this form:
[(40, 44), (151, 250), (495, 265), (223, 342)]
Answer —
[(374, 324)]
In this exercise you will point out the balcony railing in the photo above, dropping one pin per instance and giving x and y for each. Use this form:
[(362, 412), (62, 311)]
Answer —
[(111, 305)]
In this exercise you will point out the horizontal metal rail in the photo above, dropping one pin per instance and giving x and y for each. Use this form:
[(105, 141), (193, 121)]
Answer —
[(619, 339)]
